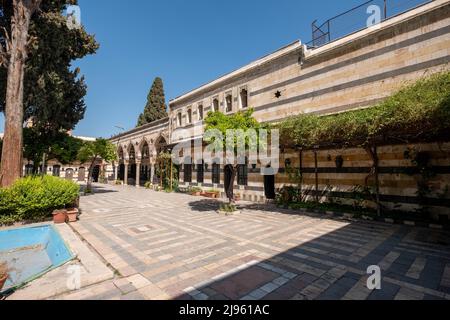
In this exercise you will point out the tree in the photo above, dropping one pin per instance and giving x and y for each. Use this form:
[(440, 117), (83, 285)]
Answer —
[(13, 56), (92, 152), (61, 147), (238, 121), (53, 90), (156, 107)]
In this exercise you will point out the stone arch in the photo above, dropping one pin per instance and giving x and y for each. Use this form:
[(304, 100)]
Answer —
[(161, 143), (121, 154), (144, 148), (131, 151)]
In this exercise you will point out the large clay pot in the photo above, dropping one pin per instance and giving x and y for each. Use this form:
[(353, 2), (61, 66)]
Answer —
[(3, 281), (59, 216), (72, 215)]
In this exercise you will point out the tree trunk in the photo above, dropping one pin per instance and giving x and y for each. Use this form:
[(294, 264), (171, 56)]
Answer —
[(90, 173), (229, 189), (11, 166)]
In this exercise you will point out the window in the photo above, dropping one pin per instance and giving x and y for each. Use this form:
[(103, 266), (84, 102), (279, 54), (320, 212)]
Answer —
[(189, 116), (187, 170), (200, 112), (216, 173), (243, 95), (179, 120), (201, 172), (229, 102), (215, 105), (243, 173)]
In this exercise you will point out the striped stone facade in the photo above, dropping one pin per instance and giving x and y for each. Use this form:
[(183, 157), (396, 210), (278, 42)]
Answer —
[(356, 71)]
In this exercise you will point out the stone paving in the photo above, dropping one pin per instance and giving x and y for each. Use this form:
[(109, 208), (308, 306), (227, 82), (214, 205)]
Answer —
[(173, 246)]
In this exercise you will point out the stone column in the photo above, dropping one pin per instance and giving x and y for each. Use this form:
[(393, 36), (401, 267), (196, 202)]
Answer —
[(116, 172), (138, 174), (125, 179), (152, 172)]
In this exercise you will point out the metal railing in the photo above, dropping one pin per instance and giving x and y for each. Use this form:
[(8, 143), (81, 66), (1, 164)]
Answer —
[(356, 19)]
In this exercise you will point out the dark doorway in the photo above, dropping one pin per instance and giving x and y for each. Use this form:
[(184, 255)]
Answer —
[(228, 170), (145, 173), (56, 171), (132, 173), (269, 186), (201, 172), (96, 173), (121, 172)]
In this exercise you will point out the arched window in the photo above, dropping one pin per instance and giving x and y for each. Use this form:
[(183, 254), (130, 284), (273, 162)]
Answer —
[(189, 116), (132, 154), (200, 112), (145, 151), (229, 102), (215, 105), (243, 95)]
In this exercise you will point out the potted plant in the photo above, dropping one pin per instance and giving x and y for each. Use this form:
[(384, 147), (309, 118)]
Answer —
[(72, 215), (196, 191), (59, 216), (3, 274), (213, 194)]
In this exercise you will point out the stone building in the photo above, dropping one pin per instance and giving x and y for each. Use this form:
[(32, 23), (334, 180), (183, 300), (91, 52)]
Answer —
[(355, 71), (75, 171)]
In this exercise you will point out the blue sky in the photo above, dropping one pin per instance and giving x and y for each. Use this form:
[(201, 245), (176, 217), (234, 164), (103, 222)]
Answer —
[(187, 43)]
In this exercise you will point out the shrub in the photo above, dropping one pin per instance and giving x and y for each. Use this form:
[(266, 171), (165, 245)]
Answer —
[(419, 112), (228, 208), (195, 190), (148, 185), (34, 198)]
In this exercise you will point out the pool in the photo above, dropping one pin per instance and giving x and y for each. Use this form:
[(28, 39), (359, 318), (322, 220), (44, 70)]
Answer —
[(31, 252)]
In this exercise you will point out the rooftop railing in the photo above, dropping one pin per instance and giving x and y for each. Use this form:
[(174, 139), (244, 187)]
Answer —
[(359, 18)]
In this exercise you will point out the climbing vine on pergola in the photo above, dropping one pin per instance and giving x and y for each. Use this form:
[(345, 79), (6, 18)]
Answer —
[(419, 112)]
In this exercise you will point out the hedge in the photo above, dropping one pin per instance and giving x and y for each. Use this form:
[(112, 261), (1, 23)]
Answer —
[(417, 113), (35, 198)]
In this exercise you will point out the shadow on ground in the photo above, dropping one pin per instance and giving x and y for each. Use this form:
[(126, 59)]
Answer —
[(333, 265)]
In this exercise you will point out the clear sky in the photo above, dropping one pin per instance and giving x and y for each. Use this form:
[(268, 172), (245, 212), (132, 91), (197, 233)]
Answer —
[(185, 42)]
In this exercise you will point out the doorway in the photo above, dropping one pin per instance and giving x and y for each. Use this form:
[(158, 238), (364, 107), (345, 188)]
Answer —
[(96, 174)]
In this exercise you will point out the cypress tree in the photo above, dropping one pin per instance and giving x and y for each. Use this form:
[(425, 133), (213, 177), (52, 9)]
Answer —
[(156, 107)]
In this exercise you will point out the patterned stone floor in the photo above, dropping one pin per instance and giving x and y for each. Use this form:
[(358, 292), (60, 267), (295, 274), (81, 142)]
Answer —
[(172, 246)]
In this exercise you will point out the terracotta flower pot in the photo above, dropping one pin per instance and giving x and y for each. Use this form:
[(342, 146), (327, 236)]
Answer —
[(3, 281), (59, 216), (72, 215)]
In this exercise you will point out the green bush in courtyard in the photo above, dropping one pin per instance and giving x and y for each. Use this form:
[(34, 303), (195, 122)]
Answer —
[(35, 198)]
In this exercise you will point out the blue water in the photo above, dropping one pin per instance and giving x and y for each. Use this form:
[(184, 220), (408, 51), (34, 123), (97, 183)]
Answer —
[(31, 252)]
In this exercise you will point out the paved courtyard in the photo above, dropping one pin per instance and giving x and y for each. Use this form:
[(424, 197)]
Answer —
[(172, 246)]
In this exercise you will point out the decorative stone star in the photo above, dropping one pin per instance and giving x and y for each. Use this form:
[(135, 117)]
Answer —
[(278, 94)]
